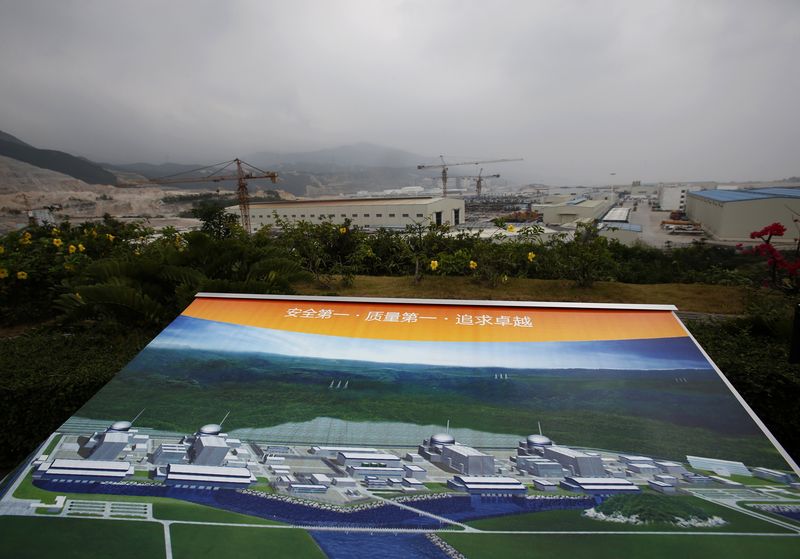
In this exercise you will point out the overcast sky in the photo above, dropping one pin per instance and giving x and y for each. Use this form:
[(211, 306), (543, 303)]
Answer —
[(673, 90)]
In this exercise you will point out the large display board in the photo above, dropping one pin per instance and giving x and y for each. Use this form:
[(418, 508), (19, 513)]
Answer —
[(325, 427)]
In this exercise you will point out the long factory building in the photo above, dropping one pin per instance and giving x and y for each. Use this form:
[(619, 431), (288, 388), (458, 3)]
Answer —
[(368, 213), (733, 214)]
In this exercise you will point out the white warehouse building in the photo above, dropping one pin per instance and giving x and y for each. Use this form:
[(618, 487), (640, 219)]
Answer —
[(369, 213), (734, 214), (673, 196)]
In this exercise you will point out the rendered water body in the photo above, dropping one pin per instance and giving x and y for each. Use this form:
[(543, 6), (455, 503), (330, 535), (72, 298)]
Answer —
[(341, 545), (292, 512)]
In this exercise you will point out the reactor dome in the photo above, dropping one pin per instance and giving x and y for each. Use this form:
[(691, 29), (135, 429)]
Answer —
[(120, 426), (539, 440), (442, 438), (211, 429)]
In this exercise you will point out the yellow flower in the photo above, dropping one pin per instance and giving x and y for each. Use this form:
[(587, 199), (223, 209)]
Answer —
[(81, 248), (26, 239), (531, 256), (3, 273), (342, 230), (510, 228), (69, 267), (2, 249), (473, 265), (110, 237), (434, 265), (78, 297), (72, 249), (94, 232), (55, 231), (22, 275), (58, 242)]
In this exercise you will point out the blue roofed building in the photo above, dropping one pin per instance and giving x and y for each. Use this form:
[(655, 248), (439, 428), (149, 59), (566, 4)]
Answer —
[(734, 214)]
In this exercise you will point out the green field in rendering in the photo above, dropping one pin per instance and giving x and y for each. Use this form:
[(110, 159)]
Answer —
[(637, 412), (164, 508), (190, 541), (72, 538), (610, 546)]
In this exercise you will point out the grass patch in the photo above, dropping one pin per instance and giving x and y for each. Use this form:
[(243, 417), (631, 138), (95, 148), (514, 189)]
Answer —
[(692, 297), (192, 541), (774, 515), (438, 488), (608, 546), (31, 537), (52, 445), (573, 520), (166, 509)]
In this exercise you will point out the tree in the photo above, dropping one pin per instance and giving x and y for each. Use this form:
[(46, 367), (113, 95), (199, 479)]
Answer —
[(216, 221)]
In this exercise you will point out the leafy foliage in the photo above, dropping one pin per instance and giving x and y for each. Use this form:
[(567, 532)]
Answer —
[(651, 508)]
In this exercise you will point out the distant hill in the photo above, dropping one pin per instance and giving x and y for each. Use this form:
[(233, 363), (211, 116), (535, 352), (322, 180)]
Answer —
[(6, 137), (153, 170), (362, 154), (58, 161)]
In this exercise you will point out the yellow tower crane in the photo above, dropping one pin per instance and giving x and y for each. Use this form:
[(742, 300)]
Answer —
[(444, 166), (244, 173)]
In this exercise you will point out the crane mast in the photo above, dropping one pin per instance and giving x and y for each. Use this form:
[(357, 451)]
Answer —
[(241, 177), (479, 178), (444, 166)]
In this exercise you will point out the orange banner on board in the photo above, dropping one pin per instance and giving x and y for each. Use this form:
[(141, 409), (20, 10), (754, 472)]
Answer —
[(446, 323)]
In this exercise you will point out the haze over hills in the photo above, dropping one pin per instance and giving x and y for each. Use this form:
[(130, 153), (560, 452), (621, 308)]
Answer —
[(362, 154), (59, 161)]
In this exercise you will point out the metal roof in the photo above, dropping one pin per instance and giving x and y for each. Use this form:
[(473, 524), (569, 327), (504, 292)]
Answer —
[(623, 226), (410, 200), (747, 195), (617, 214)]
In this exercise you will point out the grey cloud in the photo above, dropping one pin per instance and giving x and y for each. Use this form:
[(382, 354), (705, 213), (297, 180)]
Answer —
[(656, 90)]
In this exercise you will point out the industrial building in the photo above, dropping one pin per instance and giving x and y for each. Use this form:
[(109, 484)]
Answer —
[(533, 445), (544, 485), (734, 214), (363, 472), (414, 471), (643, 469), (599, 485), (577, 462), (443, 449), (467, 460), (209, 446), (168, 453), (368, 213), (205, 477), (661, 486), (773, 475), (115, 439), (83, 470), (485, 485), (373, 459), (542, 467), (333, 451), (672, 197), (720, 467), (560, 210), (668, 467)]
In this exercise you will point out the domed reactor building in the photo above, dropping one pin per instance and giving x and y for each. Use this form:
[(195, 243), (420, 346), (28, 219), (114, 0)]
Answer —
[(442, 449), (533, 445)]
